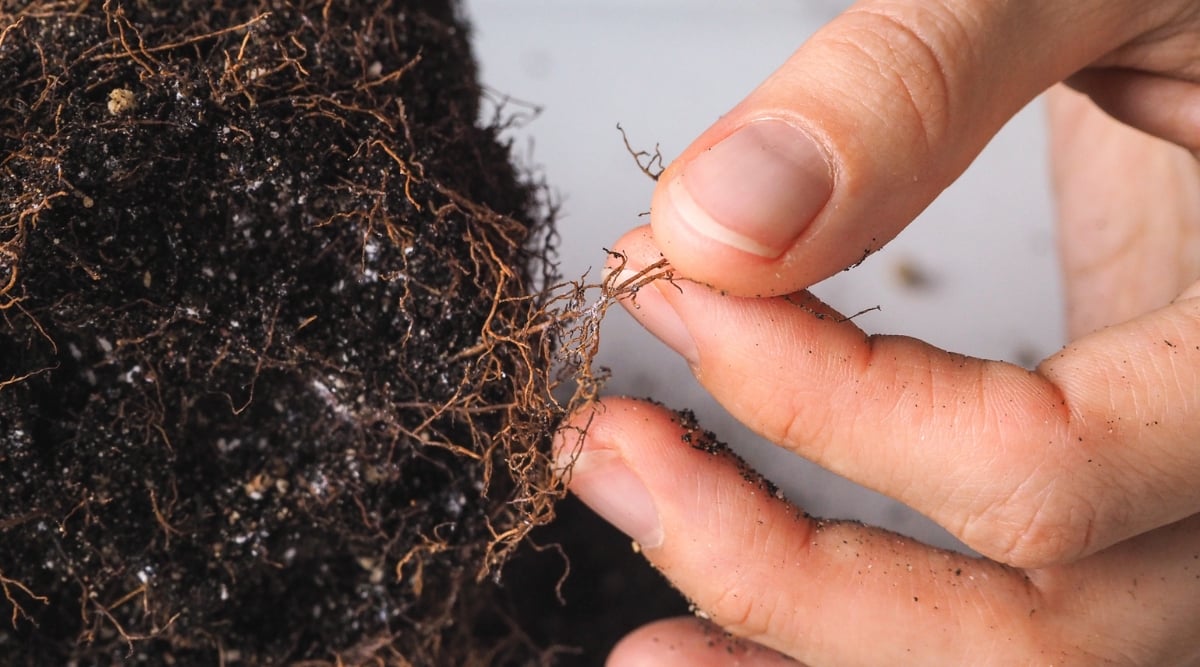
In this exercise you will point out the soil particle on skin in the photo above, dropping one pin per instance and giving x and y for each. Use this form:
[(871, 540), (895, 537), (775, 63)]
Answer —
[(265, 391), (706, 441), (697, 437)]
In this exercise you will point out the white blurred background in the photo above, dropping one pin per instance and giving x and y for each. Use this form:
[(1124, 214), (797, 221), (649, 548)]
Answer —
[(975, 273)]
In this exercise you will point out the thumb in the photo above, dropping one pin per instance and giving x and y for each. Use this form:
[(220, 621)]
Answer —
[(861, 128)]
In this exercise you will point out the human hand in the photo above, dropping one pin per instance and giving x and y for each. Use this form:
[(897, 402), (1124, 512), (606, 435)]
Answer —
[(1076, 481)]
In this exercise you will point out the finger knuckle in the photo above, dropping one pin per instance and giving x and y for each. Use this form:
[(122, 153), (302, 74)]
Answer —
[(747, 613), (912, 56), (1035, 528)]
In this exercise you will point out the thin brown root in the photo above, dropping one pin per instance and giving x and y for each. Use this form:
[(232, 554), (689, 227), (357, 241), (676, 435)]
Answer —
[(7, 585), (651, 164), (840, 319)]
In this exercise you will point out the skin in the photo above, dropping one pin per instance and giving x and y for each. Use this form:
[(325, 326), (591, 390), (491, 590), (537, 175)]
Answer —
[(1077, 482)]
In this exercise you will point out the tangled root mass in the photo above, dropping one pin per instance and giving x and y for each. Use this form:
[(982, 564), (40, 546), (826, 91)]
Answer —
[(274, 343)]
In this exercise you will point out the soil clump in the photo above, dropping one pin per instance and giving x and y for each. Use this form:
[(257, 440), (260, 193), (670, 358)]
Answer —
[(274, 352)]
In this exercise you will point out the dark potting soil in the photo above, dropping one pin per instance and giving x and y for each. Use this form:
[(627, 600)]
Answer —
[(275, 382)]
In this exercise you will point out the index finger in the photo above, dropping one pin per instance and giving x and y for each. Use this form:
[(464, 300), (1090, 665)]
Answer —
[(1027, 467)]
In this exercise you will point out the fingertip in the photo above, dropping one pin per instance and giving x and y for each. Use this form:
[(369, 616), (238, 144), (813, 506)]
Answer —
[(755, 190), (643, 467), (637, 248), (594, 463), (690, 642), (715, 219), (591, 426)]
